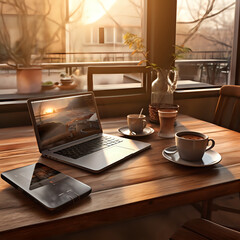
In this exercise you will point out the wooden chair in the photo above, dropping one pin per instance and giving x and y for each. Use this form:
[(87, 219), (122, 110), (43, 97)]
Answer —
[(121, 99), (202, 229), (227, 113)]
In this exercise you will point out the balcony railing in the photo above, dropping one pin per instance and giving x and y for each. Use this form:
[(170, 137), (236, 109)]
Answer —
[(210, 67)]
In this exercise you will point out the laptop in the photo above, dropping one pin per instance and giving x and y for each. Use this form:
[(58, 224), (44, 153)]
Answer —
[(68, 130)]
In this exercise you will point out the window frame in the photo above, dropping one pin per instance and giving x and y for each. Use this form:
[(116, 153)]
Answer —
[(235, 61)]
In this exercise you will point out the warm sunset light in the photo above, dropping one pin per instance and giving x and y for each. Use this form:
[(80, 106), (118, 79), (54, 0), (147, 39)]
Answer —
[(48, 111), (93, 9)]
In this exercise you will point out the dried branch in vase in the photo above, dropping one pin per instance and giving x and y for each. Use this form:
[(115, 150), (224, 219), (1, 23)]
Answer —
[(34, 31), (136, 44)]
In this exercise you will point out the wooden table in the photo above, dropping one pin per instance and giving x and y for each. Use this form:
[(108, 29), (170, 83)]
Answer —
[(141, 185)]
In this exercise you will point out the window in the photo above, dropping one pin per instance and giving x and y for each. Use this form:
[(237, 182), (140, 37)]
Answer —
[(109, 35), (76, 33), (118, 35), (101, 35), (91, 35), (207, 27), (77, 43)]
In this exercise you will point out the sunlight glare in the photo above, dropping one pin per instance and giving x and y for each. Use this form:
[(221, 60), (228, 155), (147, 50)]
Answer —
[(93, 10), (48, 111)]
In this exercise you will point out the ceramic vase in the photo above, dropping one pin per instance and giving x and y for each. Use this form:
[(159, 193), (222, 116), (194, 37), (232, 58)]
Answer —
[(163, 87)]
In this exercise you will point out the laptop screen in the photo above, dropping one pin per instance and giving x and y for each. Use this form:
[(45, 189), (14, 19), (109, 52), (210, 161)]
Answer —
[(65, 119)]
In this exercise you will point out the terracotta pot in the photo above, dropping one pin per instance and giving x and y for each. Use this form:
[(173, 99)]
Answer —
[(153, 110), (29, 80)]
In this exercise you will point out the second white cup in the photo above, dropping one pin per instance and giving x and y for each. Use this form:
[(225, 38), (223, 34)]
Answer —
[(136, 122)]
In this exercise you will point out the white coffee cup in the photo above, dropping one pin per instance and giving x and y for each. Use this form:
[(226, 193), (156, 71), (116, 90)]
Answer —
[(191, 145), (136, 122)]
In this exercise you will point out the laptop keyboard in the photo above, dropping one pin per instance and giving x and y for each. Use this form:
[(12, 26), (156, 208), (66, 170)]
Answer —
[(88, 147)]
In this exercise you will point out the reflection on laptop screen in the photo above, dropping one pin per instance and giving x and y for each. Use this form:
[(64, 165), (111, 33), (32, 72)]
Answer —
[(65, 119)]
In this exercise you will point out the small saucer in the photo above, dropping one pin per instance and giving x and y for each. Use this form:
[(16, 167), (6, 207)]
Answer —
[(209, 158), (146, 131)]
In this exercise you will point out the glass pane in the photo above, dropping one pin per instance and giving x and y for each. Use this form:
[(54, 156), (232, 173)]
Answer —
[(119, 36), (118, 81), (73, 34), (109, 35), (207, 27)]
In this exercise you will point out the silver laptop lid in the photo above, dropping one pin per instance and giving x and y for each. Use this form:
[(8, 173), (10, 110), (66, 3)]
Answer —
[(62, 119)]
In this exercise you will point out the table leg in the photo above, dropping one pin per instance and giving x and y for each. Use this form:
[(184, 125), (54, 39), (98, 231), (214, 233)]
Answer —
[(206, 209)]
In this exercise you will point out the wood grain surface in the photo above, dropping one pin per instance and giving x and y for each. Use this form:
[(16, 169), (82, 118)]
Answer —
[(141, 185)]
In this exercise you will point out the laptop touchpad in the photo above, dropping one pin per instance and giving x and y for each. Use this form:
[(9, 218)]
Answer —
[(99, 160)]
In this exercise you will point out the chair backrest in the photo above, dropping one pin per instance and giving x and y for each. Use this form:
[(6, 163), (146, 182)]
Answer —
[(202, 229), (120, 99), (227, 113)]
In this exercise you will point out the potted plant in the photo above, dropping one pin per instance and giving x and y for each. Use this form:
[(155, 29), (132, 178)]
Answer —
[(23, 46), (164, 85)]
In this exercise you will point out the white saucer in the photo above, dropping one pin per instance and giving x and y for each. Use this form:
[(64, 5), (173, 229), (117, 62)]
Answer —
[(146, 131), (209, 158)]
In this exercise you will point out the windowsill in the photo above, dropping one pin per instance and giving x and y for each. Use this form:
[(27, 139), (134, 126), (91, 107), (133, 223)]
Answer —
[(10, 96), (14, 111), (184, 88), (197, 93)]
